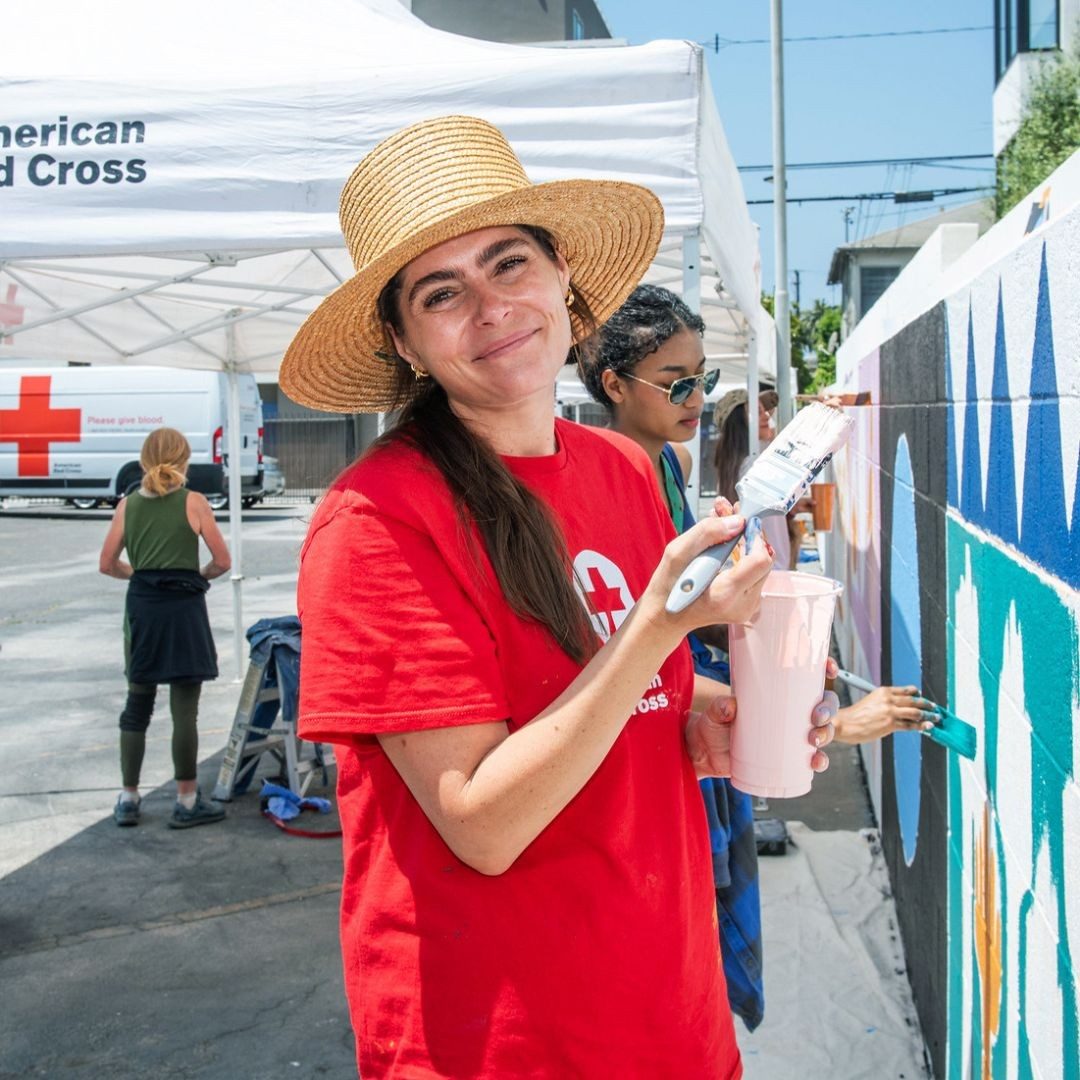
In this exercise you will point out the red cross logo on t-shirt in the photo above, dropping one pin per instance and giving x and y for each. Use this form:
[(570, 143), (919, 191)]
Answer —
[(603, 589), (35, 424)]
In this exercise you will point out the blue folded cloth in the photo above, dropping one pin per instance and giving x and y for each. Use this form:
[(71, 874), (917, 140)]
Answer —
[(286, 804)]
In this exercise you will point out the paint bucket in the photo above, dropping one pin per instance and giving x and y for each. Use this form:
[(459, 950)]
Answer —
[(824, 496), (778, 676)]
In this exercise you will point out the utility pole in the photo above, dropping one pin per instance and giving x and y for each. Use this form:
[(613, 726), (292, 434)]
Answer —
[(798, 296), (783, 318), (848, 211)]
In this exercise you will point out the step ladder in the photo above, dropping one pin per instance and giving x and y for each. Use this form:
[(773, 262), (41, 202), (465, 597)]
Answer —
[(257, 731)]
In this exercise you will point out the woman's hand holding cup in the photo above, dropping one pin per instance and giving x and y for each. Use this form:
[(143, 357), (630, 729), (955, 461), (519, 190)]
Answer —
[(708, 733)]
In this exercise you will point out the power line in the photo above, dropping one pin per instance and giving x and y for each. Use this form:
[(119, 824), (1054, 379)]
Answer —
[(871, 161), (719, 42), (876, 196)]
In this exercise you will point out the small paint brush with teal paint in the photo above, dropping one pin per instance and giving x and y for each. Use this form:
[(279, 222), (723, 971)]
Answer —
[(948, 730)]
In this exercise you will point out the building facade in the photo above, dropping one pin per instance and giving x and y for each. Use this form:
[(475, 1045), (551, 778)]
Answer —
[(1026, 33), (865, 269)]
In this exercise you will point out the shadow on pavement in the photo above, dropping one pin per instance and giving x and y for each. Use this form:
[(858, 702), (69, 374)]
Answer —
[(149, 951)]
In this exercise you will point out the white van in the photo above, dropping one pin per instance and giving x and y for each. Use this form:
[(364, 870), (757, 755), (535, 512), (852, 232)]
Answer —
[(75, 432)]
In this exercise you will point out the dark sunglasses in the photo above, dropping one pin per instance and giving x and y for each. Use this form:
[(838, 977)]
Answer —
[(681, 389)]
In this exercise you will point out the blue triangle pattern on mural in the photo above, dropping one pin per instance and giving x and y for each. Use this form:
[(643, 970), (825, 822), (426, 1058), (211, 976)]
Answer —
[(971, 482), (950, 425), (1044, 530), (1000, 500)]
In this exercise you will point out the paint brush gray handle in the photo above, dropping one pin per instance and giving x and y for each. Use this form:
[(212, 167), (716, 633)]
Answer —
[(868, 688), (854, 680), (697, 577)]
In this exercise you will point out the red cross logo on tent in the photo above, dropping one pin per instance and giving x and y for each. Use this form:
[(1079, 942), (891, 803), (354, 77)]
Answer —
[(35, 424), (11, 314), (603, 590)]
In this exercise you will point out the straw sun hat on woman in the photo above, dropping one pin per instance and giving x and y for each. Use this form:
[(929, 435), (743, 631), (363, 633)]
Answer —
[(432, 182)]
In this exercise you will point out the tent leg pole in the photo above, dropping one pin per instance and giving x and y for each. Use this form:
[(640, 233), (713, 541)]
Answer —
[(235, 508), (691, 294), (752, 392), (781, 309)]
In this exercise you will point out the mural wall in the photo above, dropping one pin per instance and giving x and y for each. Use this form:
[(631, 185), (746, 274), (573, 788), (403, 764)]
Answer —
[(961, 554)]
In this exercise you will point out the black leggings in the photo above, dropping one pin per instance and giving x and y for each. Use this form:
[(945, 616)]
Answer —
[(135, 719)]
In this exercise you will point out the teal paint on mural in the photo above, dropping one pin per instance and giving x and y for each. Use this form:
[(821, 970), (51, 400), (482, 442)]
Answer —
[(1001, 1044), (958, 896), (1050, 682), (1023, 1043)]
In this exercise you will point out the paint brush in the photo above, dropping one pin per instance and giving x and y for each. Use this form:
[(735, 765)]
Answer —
[(774, 483), (948, 730)]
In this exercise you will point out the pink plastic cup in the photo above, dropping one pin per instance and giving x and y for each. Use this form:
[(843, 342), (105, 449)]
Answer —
[(778, 675)]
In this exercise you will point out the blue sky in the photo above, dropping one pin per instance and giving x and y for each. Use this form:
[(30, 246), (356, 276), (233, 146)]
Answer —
[(846, 100)]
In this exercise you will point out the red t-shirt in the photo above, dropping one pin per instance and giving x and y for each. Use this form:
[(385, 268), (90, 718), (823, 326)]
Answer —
[(596, 954)]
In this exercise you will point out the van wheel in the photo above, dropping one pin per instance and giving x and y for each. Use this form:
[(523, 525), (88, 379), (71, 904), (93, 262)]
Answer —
[(129, 480), (83, 504), (218, 502)]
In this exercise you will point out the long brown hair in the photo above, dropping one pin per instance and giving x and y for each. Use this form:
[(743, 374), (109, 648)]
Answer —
[(732, 448), (519, 533)]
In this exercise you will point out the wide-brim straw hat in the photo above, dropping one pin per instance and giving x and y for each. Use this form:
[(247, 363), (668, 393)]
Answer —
[(432, 182), (734, 398)]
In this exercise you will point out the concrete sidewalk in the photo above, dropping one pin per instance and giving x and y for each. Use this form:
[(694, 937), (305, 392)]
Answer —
[(213, 952)]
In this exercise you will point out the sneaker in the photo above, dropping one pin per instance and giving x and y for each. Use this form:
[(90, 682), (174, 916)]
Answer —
[(203, 812), (126, 812)]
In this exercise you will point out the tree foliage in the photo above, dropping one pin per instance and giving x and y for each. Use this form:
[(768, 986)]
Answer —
[(812, 334), (1049, 132)]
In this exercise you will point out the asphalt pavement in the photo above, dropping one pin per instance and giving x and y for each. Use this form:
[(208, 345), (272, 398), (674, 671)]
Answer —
[(208, 952)]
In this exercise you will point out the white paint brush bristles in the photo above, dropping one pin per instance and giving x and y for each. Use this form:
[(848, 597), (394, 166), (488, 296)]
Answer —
[(775, 482), (778, 477)]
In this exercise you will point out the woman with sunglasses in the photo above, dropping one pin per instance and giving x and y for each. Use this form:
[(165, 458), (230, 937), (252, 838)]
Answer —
[(518, 726), (648, 372)]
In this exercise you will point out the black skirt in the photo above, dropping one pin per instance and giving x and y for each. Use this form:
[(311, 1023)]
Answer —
[(169, 634)]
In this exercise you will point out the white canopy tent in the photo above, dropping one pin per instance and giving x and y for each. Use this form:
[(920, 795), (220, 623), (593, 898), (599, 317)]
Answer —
[(168, 189)]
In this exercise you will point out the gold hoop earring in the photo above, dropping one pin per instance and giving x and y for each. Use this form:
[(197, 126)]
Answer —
[(419, 373), (570, 297)]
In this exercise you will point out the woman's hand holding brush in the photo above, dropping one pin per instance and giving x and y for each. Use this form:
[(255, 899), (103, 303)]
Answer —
[(883, 711)]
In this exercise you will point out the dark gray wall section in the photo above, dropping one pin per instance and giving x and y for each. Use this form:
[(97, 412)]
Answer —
[(913, 403), (511, 20)]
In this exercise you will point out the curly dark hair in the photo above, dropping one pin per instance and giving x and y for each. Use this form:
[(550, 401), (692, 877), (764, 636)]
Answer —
[(649, 318)]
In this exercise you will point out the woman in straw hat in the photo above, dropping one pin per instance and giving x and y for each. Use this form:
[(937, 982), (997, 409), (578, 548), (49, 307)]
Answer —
[(485, 640)]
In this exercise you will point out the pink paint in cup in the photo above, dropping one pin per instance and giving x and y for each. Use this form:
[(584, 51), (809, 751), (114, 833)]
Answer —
[(778, 676)]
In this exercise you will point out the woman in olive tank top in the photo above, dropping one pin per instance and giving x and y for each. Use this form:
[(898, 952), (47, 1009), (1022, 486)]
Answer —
[(167, 636)]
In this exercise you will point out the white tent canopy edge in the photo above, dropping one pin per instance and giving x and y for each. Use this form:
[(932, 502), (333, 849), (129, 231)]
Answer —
[(219, 181)]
